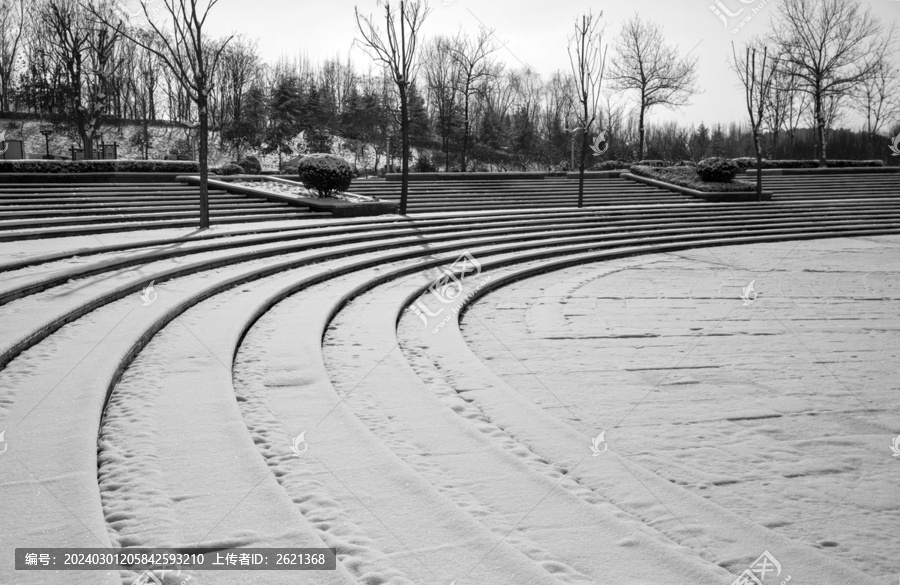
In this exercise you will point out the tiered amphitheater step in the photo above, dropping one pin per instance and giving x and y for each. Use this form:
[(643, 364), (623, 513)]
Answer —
[(470, 195), (74, 348), (832, 186), (159, 204)]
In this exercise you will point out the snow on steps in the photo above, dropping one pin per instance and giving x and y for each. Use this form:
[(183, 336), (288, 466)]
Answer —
[(85, 295), (110, 333), (446, 356), (573, 536), (43, 274)]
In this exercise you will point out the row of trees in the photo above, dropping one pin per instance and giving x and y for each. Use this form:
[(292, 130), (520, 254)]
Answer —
[(56, 60), (82, 62), (819, 59)]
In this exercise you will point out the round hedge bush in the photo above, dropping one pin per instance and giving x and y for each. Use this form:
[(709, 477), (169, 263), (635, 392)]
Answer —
[(717, 170), (230, 169), (326, 173), (250, 165)]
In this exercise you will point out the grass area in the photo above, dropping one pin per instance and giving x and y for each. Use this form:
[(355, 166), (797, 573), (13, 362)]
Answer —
[(688, 177)]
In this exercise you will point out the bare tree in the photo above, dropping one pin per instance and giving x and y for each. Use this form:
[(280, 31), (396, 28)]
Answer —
[(831, 46), (779, 110), (757, 75), (798, 103), (83, 49), (645, 63), (12, 28), (877, 98), (238, 71), (441, 79), (145, 82), (476, 68), (192, 58), (395, 48), (588, 59)]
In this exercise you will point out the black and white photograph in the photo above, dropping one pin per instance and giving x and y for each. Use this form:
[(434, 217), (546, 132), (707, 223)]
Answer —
[(445, 292)]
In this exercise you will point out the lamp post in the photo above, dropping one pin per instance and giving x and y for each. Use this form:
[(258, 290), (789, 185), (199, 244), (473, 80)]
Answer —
[(46, 130), (572, 131)]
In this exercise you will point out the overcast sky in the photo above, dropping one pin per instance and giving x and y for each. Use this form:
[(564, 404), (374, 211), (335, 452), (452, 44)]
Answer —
[(534, 33)]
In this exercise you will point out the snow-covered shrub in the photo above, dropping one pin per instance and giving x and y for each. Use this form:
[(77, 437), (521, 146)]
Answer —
[(230, 169), (717, 170), (250, 165), (326, 173)]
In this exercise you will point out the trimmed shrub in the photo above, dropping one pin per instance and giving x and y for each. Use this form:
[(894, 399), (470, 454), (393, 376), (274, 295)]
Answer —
[(250, 165), (747, 162), (326, 173), (609, 165), (98, 166), (687, 176), (716, 170), (231, 169)]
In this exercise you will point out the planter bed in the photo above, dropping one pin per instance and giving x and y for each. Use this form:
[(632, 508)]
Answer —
[(465, 176), (293, 193), (711, 196), (597, 174), (38, 178), (827, 171)]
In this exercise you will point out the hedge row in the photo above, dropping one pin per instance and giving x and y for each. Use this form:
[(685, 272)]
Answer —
[(99, 166), (688, 177), (63, 121), (750, 163)]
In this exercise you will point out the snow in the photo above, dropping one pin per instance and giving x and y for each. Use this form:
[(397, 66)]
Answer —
[(464, 455), (781, 412)]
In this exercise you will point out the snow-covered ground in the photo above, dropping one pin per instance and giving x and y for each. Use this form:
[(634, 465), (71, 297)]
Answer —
[(633, 421), (781, 410)]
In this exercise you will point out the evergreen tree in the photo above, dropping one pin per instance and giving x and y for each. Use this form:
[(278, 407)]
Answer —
[(700, 143), (285, 109), (248, 130), (315, 119), (717, 144), (419, 126)]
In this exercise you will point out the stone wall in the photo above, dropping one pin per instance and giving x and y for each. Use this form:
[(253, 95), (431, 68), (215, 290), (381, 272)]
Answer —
[(164, 139)]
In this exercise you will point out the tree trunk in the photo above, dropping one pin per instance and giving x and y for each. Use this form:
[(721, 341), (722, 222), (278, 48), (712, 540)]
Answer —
[(758, 166), (820, 129), (641, 134), (465, 144), (446, 155), (584, 139), (204, 166), (404, 133), (146, 141)]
